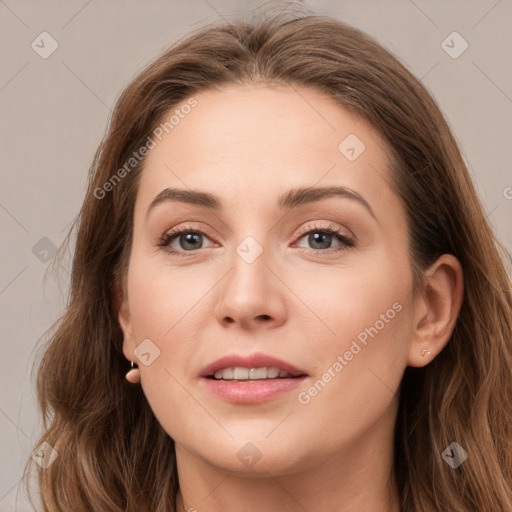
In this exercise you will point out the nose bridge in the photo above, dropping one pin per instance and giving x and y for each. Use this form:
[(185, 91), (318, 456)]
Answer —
[(250, 292), (248, 278)]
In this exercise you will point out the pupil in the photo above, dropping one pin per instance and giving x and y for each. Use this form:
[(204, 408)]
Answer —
[(190, 238), (316, 238)]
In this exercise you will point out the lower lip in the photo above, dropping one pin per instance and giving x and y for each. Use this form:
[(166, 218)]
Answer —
[(251, 392)]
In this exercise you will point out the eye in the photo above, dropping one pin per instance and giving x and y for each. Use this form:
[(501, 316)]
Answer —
[(187, 238), (320, 238)]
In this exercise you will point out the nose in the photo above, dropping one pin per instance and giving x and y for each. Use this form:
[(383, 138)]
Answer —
[(252, 296)]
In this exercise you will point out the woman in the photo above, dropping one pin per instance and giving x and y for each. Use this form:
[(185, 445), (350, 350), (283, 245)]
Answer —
[(281, 249)]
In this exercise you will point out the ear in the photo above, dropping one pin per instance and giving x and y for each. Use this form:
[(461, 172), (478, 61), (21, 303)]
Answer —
[(437, 305), (124, 319)]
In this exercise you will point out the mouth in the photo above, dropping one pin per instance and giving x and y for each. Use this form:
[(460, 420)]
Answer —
[(255, 366), (251, 379), (241, 374)]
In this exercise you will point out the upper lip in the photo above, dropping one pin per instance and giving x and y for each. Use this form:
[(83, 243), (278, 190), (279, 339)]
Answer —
[(257, 360)]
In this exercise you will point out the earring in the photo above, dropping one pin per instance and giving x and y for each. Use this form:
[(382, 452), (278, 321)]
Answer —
[(424, 352), (133, 375)]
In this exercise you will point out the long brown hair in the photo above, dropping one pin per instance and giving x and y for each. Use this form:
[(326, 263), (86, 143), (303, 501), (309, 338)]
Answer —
[(113, 455)]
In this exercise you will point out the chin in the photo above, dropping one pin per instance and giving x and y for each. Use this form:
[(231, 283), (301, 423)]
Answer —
[(256, 456)]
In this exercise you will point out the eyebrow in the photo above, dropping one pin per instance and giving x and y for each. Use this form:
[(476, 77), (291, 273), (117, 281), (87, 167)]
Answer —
[(291, 199)]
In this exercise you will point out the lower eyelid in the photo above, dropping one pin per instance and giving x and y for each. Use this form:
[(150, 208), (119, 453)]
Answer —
[(345, 242)]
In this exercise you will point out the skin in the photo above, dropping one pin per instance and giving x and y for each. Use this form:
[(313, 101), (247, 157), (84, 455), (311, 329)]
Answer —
[(298, 301)]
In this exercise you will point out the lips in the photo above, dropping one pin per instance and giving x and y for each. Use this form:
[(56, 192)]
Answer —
[(249, 391), (256, 360)]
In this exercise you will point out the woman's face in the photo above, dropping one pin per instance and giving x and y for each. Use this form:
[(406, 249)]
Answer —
[(320, 281)]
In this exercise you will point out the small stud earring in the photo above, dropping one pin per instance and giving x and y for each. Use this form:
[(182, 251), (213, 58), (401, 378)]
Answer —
[(425, 352), (133, 375)]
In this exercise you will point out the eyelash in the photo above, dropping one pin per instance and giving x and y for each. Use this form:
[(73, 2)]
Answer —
[(347, 242)]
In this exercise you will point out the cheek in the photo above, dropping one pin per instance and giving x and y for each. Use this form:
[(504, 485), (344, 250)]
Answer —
[(356, 383), (165, 308), (345, 300), (361, 355), (163, 300), (161, 309)]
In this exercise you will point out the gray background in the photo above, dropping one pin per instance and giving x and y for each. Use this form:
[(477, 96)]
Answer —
[(55, 110)]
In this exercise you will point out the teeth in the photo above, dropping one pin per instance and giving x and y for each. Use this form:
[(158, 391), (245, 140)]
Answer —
[(239, 373), (272, 373), (257, 373), (228, 373)]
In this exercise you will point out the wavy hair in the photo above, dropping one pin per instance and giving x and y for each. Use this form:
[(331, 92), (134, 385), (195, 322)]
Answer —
[(113, 455)]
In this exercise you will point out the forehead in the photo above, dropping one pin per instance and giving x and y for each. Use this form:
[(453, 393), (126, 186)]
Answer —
[(246, 142)]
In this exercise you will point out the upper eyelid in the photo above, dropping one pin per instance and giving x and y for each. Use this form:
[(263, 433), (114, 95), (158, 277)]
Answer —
[(342, 229), (173, 233), (306, 228)]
